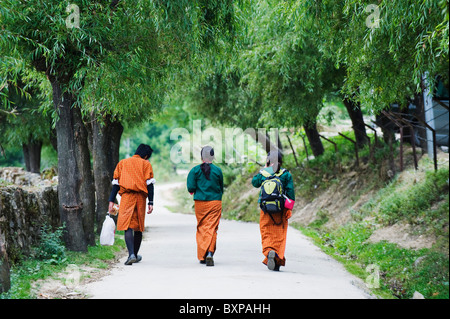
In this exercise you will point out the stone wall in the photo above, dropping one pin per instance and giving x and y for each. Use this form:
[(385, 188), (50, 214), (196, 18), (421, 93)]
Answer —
[(26, 204)]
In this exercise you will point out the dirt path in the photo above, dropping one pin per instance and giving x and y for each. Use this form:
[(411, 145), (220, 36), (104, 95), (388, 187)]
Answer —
[(170, 270)]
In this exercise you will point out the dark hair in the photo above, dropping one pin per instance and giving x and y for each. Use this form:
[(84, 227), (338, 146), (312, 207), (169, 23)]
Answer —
[(144, 151), (275, 157), (206, 169)]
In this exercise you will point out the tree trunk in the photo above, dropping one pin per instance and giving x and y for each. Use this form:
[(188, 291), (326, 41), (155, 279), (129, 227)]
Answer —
[(116, 130), (314, 139), (105, 151), (87, 189), (102, 177), (32, 156), (69, 181), (421, 130), (387, 127), (53, 139), (354, 110)]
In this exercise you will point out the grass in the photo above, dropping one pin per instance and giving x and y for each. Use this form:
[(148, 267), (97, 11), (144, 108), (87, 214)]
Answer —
[(422, 203), (401, 271), (414, 203), (51, 258)]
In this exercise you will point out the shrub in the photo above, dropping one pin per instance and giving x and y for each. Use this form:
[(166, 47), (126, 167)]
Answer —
[(51, 248)]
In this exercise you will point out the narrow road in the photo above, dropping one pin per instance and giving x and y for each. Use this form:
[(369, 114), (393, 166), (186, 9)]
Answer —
[(170, 270)]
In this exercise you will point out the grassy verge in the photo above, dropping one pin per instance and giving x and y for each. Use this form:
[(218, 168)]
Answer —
[(51, 258), (421, 202), (400, 271)]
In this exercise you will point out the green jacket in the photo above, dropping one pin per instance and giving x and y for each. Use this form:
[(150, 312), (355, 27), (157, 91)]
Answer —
[(286, 180), (202, 188)]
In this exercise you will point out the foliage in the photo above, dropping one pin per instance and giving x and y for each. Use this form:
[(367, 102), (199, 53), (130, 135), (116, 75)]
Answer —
[(12, 156), (270, 76), (117, 60), (414, 203), (28, 100), (244, 63), (25, 274), (402, 271), (51, 248), (423, 204), (385, 61), (157, 135)]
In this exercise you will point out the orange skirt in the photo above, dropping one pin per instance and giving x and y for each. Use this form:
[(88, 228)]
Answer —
[(208, 215), (132, 211), (273, 237)]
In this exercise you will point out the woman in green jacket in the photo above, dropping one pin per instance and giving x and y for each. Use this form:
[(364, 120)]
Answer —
[(205, 182)]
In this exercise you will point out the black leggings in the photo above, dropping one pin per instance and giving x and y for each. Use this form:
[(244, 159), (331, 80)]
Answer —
[(133, 241)]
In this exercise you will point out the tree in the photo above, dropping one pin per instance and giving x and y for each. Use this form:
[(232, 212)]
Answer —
[(26, 125), (101, 58), (386, 48), (268, 77), (38, 32), (143, 76)]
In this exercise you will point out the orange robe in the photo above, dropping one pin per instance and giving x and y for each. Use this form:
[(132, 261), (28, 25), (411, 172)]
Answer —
[(132, 175), (273, 237), (208, 215)]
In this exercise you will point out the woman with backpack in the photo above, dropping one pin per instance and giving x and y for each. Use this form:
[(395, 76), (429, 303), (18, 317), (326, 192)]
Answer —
[(276, 201), (205, 181)]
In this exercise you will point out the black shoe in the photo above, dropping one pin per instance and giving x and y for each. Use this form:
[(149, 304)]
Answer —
[(209, 259), (203, 261), (131, 259), (138, 258), (271, 264)]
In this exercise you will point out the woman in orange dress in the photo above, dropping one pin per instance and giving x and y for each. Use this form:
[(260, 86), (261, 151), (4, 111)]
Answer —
[(205, 181), (274, 227)]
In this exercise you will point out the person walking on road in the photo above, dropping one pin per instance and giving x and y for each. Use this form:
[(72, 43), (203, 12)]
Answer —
[(277, 194), (205, 182), (134, 181)]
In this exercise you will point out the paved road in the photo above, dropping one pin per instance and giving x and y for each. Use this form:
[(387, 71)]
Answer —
[(170, 269)]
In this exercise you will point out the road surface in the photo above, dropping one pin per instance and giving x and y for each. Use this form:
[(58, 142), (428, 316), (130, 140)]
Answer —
[(170, 269)]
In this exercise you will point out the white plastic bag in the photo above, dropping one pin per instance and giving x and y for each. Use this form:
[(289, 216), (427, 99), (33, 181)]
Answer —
[(108, 231)]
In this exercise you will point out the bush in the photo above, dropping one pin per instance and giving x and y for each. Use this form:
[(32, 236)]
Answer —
[(51, 248)]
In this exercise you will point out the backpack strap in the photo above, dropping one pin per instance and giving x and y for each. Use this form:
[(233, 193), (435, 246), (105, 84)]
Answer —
[(274, 222), (280, 172), (267, 174)]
